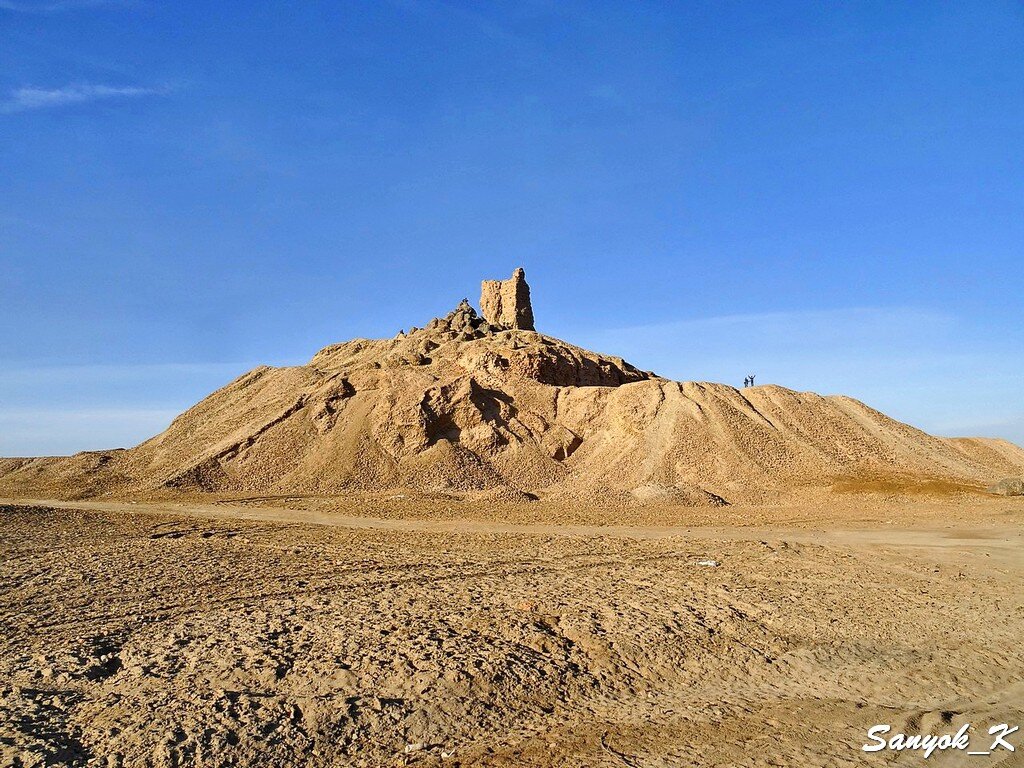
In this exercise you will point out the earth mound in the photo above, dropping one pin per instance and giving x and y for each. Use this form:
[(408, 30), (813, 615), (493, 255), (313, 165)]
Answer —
[(487, 408)]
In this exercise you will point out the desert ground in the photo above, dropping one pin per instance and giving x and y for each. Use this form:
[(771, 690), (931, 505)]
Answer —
[(400, 631)]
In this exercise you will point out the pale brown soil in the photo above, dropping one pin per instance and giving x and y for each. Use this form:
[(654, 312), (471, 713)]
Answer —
[(390, 631)]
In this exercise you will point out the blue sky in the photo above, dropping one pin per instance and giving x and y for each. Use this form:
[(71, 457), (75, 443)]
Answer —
[(829, 195)]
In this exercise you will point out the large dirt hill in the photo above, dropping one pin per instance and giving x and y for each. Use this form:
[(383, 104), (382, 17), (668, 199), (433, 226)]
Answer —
[(468, 407)]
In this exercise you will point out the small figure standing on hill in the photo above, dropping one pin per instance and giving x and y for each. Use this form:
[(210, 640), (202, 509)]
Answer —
[(751, 377), (746, 381)]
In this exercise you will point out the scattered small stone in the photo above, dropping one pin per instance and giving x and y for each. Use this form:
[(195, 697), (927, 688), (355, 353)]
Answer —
[(1011, 486)]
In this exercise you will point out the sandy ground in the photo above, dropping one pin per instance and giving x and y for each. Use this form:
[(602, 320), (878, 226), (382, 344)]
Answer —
[(296, 632)]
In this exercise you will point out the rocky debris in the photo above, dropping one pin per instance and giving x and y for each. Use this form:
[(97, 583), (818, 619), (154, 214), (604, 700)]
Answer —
[(1011, 486), (680, 493), (463, 322), (506, 303)]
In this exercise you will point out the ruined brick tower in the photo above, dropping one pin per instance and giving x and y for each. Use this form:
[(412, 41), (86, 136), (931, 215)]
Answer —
[(506, 303)]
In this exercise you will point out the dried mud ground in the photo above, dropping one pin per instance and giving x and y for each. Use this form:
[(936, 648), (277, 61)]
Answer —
[(158, 634)]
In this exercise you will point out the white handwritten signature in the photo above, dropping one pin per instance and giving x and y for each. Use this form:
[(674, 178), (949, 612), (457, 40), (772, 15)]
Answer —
[(928, 743)]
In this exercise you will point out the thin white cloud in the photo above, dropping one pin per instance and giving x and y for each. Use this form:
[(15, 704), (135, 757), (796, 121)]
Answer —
[(932, 369), (25, 99), (869, 331), (61, 432), (1010, 428), (12, 373), (845, 316), (56, 6), (51, 410)]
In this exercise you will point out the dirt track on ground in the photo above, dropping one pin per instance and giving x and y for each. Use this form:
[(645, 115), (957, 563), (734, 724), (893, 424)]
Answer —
[(241, 634)]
